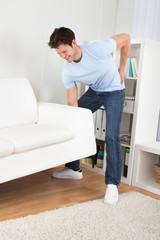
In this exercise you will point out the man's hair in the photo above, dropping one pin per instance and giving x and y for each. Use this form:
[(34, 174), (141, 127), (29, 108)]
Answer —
[(60, 36)]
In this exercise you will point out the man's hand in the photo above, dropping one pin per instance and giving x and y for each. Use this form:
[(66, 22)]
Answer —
[(72, 96), (122, 75)]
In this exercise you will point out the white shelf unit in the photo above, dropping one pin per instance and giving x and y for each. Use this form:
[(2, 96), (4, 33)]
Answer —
[(142, 123), (146, 155)]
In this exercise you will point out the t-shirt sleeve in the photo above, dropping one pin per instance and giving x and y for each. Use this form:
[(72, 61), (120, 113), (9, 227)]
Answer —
[(110, 45), (67, 81), (105, 47)]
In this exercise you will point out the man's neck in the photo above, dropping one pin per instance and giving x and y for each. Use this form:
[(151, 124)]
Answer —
[(78, 55)]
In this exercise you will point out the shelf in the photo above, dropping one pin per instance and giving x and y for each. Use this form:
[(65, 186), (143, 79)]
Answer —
[(95, 169), (124, 179), (128, 112), (146, 155), (131, 78), (150, 185), (152, 147), (125, 145)]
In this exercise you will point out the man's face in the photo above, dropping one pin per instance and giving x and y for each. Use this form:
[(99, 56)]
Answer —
[(66, 52)]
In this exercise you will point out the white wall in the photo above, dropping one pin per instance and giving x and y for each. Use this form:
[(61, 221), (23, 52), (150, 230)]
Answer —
[(140, 18), (25, 27), (146, 19), (108, 18), (21, 39), (124, 16)]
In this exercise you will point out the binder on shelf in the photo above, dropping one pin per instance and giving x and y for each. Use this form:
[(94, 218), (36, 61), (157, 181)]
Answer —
[(94, 121), (129, 104), (98, 123), (103, 133)]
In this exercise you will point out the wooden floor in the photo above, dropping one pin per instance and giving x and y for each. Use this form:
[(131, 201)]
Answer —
[(39, 192)]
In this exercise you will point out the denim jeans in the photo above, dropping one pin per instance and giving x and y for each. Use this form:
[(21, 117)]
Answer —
[(113, 104)]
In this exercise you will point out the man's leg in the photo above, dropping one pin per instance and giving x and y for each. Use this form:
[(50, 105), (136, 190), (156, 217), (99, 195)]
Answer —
[(88, 100), (113, 103)]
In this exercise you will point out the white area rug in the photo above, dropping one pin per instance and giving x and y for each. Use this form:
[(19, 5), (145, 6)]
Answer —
[(134, 217)]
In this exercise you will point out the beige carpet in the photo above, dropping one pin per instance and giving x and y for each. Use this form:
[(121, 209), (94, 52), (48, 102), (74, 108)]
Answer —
[(134, 217)]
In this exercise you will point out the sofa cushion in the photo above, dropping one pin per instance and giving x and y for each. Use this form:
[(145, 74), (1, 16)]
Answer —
[(18, 104), (28, 137), (6, 148)]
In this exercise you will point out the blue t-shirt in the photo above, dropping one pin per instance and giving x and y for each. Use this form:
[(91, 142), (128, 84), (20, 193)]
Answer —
[(96, 68)]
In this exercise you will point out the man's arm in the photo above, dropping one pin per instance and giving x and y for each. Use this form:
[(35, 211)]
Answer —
[(72, 96), (123, 44)]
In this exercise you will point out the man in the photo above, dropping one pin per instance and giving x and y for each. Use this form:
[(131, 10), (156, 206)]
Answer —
[(92, 64)]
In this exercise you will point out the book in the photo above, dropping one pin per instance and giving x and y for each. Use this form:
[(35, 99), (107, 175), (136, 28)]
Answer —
[(125, 170), (134, 66), (129, 72), (127, 156), (131, 67)]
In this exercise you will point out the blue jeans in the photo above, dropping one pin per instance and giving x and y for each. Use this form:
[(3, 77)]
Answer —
[(113, 104)]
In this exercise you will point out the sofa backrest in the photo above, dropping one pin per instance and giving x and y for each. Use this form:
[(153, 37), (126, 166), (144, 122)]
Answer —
[(18, 104)]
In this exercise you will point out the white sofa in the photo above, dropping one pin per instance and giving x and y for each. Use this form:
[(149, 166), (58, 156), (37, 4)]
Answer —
[(35, 136)]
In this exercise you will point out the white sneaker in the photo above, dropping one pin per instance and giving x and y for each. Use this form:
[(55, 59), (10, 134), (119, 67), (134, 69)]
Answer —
[(111, 196), (68, 173)]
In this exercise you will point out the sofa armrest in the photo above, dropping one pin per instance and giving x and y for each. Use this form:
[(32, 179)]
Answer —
[(79, 120)]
